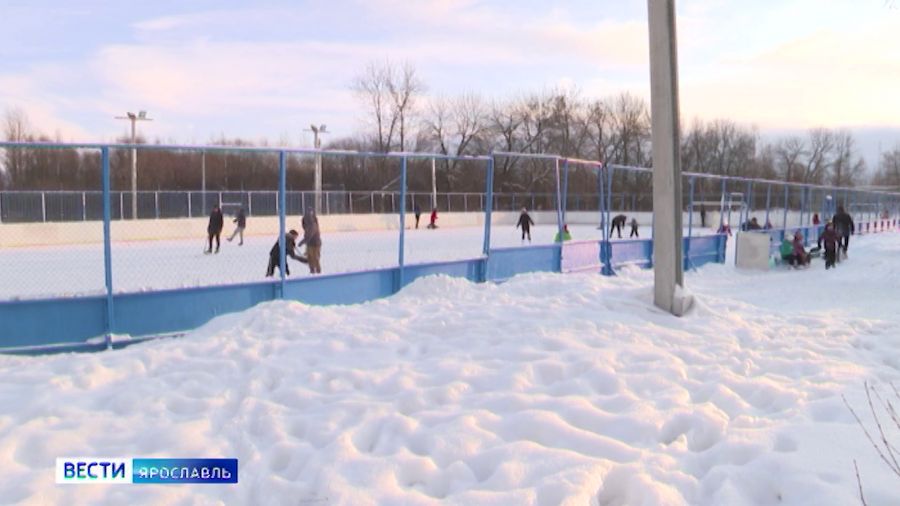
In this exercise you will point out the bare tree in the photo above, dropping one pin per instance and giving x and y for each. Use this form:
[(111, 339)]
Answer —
[(847, 167), (889, 169), (818, 155), (789, 154), (451, 128), (15, 129), (390, 95)]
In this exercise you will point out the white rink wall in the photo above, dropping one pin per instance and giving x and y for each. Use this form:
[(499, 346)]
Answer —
[(91, 232)]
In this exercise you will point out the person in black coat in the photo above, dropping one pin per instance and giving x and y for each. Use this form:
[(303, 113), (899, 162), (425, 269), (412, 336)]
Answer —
[(214, 229), (418, 212), (241, 221), (618, 222), (525, 222), (843, 226), (290, 245)]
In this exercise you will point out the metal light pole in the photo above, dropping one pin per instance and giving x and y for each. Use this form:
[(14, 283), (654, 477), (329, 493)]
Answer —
[(317, 143), (134, 118)]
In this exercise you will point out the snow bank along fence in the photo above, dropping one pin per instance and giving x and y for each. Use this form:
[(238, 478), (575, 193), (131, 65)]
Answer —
[(116, 317)]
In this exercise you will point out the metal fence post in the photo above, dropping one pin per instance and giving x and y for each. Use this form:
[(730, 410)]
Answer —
[(489, 191), (44, 207), (687, 247), (565, 189), (604, 243), (722, 207), (156, 203), (83, 206), (282, 206), (768, 203), (400, 258), (107, 249), (786, 195)]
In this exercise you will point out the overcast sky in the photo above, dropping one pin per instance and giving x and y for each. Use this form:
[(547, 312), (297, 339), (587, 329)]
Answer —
[(268, 69)]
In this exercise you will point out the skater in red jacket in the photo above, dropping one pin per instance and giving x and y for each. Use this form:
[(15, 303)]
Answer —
[(433, 218)]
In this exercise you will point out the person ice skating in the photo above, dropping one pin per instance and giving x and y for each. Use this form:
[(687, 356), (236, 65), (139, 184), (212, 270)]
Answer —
[(313, 240), (843, 226), (799, 258), (815, 219), (618, 222), (753, 225), (241, 221), (525, 222), (768, 225), (724, 228), (634, 228), (703, 215), (831, 240), (566, 236), (214, 229), (418, 212), (433, 223), (290, 241)]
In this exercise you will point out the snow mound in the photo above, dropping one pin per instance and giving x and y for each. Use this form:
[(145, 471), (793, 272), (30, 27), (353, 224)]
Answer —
[(543, 390)]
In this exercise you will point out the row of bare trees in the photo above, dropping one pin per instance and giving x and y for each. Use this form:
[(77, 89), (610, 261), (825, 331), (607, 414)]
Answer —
[(400, 116)]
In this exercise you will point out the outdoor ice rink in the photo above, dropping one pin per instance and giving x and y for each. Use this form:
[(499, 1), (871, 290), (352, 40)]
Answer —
[(34, 272)]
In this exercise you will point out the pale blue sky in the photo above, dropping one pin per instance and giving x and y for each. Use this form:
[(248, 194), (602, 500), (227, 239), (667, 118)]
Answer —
[(267, 69)]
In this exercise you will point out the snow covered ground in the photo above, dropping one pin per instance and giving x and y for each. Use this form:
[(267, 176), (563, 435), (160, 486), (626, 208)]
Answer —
[(548, 389), (140, 266)]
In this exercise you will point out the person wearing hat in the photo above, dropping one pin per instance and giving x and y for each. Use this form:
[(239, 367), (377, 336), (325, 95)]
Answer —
[(831, 240), (525, 222), (799, 257), (843, 226), (290, 240)]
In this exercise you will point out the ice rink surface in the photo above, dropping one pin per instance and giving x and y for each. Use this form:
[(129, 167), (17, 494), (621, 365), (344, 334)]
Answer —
[(148, 265)]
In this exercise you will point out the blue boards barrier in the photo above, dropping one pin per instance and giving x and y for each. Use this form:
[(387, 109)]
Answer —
[(78, 324)]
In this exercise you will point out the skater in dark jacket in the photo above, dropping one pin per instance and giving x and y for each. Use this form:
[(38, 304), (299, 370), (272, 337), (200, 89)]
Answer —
[(241, 221), (214, 229), (290, 244), (418, 212), (843, 226), (525, 222), (312, 238), (831, 240), (618, 222)]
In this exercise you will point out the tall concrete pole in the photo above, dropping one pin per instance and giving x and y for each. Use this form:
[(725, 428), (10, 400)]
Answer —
[(667, 232)]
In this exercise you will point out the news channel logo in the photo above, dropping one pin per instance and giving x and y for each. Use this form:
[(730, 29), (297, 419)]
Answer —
[(118, 470)]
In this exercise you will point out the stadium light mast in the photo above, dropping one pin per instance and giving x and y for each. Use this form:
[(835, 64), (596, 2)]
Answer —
[(134, 118), (317, 143), (668, 265)]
